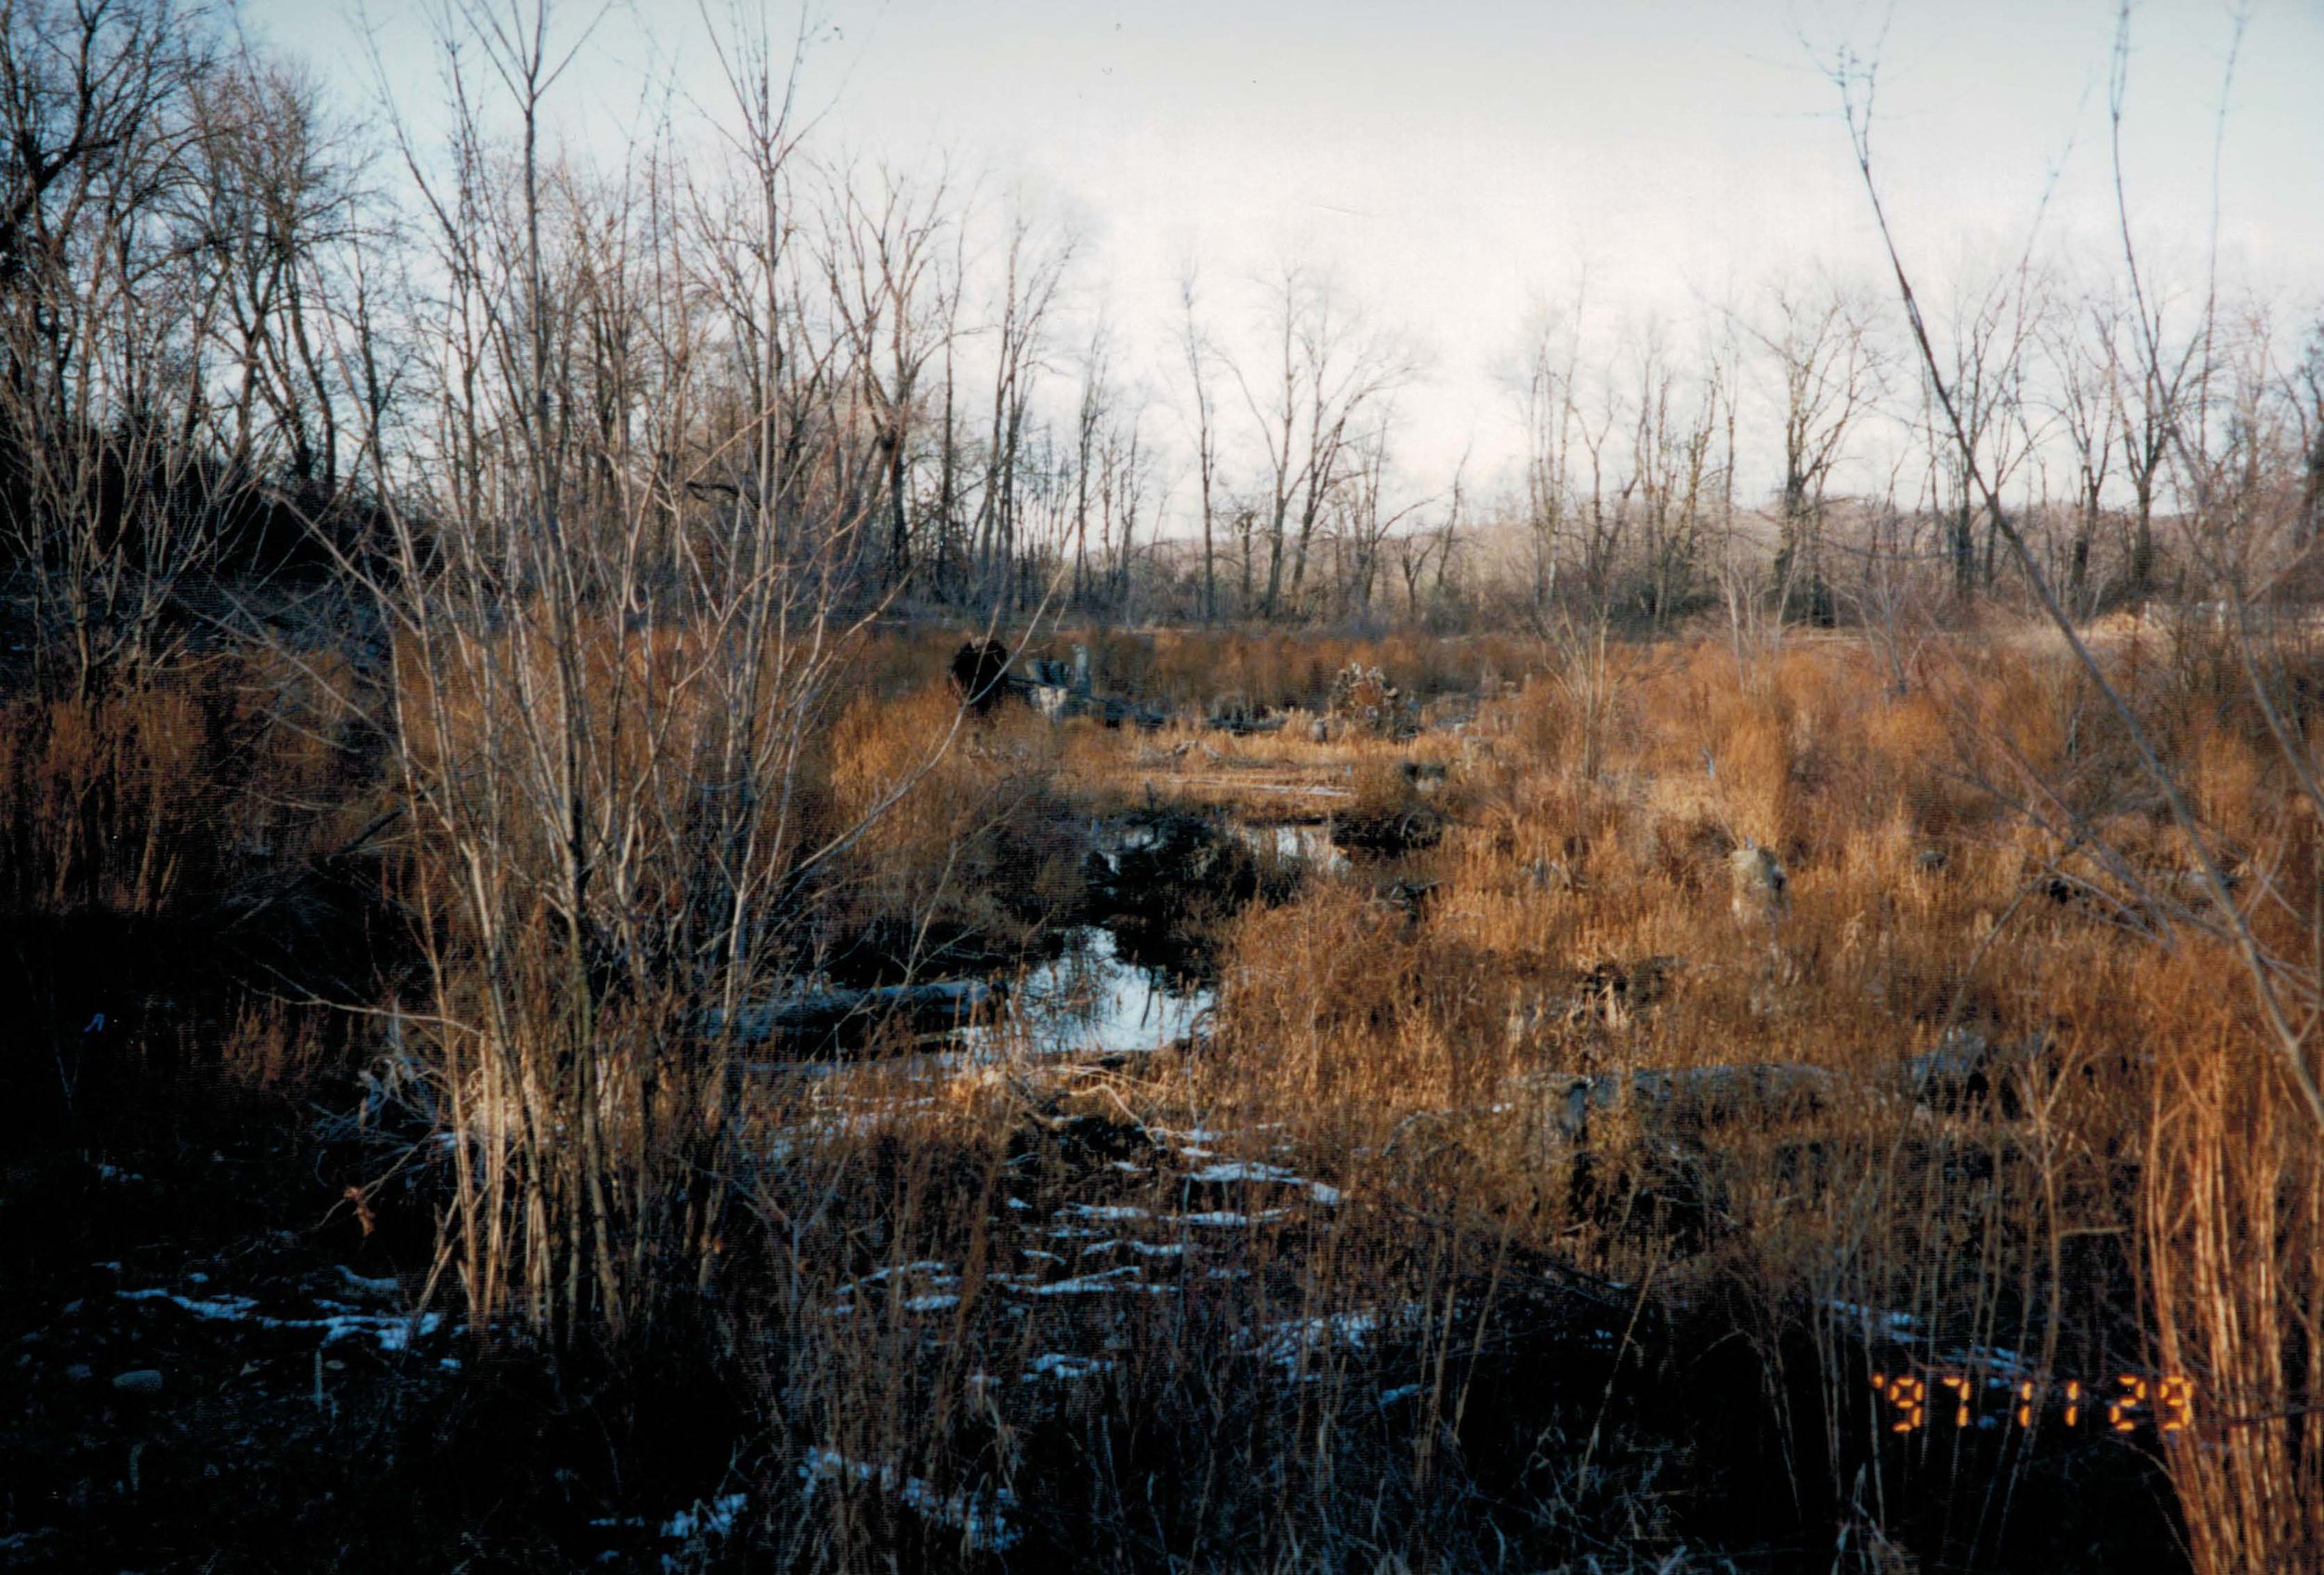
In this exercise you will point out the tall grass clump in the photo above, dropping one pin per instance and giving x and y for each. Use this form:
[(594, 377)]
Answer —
[(1944, 1099), (621, 576), (163, 797)]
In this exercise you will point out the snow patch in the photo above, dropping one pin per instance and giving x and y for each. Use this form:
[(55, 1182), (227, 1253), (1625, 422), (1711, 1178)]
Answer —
[(1056, 1364), (394, 1332), (981, 1520)]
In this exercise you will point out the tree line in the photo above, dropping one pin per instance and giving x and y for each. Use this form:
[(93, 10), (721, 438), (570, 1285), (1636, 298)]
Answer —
[(238, 324)]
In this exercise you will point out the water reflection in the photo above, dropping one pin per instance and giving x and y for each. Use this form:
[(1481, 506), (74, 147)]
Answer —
[(1090, 999), (1295, 843)]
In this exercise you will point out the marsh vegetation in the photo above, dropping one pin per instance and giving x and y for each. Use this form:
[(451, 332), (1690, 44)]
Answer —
[(651, 921)]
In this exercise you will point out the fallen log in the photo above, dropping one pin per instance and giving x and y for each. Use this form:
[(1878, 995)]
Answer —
[(831, 1014), (1704, 1094), (1965, 1068)]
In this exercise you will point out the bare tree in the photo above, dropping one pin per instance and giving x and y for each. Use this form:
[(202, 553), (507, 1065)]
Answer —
[(2087, 404), (1325, 374), (1989, 330), (1602, 514), (1198, 355), (1090, 418), (1366, 514), (1414, 550), (112, 497), (1672, 448), (2304, 390), (1831, 369), (880, 252), (1546, 404), (1126, 465), (1033, 267), (280, 203), (629, 566)]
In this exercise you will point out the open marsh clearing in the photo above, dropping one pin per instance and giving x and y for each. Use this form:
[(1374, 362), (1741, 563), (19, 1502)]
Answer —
[(1485, 1143)]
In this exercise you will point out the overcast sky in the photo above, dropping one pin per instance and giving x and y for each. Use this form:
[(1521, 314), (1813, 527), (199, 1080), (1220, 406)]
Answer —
[(1455, 162)]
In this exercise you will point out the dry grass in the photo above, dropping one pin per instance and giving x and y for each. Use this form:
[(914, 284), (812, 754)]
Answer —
[(1580, 923), (1399, 1328), (1403, 1061), (136, 802), (973, 841), (1276, 668)]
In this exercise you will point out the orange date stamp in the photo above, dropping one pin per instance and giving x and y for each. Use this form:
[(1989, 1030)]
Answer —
[(2164, 1404)]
